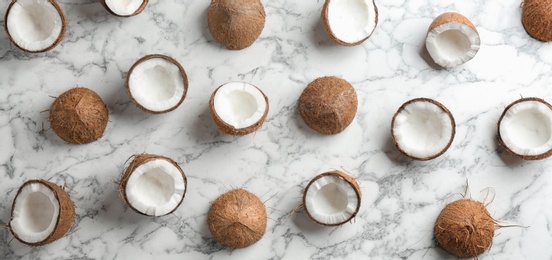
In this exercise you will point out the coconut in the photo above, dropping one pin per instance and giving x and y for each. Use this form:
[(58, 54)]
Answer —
[(349, 22), (422, 129), (35, 25), (537, 19), (42, 213), (465, 228), (525, 129), (237, 219), (157, 84), (238, 108), (124, 8), (153, 185), (236, 24), (328, 105), (452, 40), (79, 116)]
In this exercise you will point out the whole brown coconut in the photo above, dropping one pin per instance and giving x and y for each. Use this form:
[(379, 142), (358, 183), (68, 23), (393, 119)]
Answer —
[(236, 24), (79, 116), (328, 105), (465, 228), (537, 19), (237, 219)]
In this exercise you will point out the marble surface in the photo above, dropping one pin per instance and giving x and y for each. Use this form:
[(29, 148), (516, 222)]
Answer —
[(401, 197)]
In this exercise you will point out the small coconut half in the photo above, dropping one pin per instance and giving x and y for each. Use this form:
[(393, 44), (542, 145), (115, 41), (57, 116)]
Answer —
[(537, 19), (349, 22), (157, 84), (452, 40), (35, 25), (238, 108), (332, 198), (422, 129), (525, 129), (124, 8), (153, 185), (42, 213)]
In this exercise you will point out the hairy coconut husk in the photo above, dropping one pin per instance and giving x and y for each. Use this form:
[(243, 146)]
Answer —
[(328, 105), (155, 56), (448, 18), (229, 129), (139, 10), (237, 219), (327, 28), (64, 220), (61, 33), (236, 24), (79, 116), (465, 228), (537, 19), (347, 179), (138, 160)]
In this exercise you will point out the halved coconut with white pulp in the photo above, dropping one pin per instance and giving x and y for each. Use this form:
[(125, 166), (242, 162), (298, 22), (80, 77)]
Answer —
[(332, 198), (153, 185), (35, 25), (238, 108), (452, 40), (42, 212), (525, 129), (423, 129), (349, 22), (157, 84), (124, 8)]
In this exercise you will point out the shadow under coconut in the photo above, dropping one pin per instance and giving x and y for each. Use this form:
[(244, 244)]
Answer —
[(393, 153), (507, 158), (306, 225), (205, 130), (424, 53), (117, 213), (92, 11), (204, 28), (320, 37)]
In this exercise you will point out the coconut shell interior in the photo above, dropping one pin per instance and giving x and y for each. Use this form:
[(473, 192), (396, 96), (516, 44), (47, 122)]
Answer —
[(448, 18), (537, 19), (139, 10), (327, 28)]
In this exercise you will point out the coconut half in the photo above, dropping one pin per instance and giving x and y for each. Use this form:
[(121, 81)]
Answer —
[(525, 129), (238, 108), (422, 129), (332, 198), (124, 8), (42, 212), (157, 84), (452, 40), (537, 19), (35, 25), (153, 185), (349, 22)]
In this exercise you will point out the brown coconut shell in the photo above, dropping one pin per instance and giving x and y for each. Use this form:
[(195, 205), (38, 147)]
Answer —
[(139, 10), (537, 19), (328, 105), (229, 129), (346, 178), (167, 58), (79, 116), (401, 109), (503, 145), (237, 219), (328, 29), (236, 24), (138, 160), (61, 33), (448, 18), (465, 228), (65, 218)]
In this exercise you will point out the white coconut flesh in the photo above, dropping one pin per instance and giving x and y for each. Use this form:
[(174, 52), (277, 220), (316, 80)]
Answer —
[(331, 200), (239, 104), (351, 21), (124, 7), (526, 128), (34, 25), (423, 129), (452, 44), (156, 84), (155, 188), (35, 213)]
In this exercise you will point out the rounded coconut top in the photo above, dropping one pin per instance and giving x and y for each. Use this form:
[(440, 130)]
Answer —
[(79, 116), (237, 219), (537, 19), (124, 8), (328, 105), (349, 23)]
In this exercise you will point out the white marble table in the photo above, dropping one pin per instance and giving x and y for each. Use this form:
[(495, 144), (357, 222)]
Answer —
[(401, 197)]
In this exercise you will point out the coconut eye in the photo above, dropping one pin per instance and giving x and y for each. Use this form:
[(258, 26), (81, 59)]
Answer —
[(124, 8), (349, 22)]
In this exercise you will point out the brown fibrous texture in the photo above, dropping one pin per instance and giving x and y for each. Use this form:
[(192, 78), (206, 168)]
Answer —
[(328, 105), (237, 219), (79, 116), (537, 19), (139, 10), (448, 18), (65, 218), (236, 24), (328, 29)]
